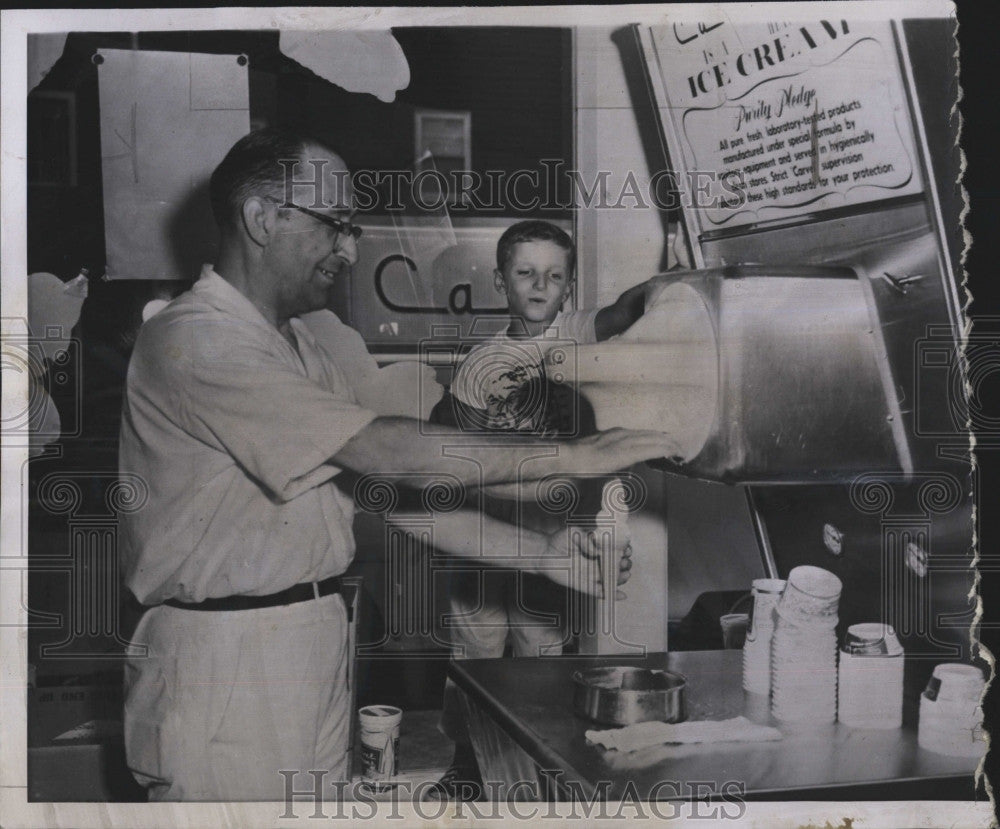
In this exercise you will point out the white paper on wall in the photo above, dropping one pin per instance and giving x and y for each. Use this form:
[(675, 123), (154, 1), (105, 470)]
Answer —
[(167, 119)]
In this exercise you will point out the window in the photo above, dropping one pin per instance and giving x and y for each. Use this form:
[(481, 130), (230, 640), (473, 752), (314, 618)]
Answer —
[(443, 140)]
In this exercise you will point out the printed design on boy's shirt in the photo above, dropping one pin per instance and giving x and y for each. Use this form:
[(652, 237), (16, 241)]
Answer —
[(504, 399), (494, 379), (506, 382)]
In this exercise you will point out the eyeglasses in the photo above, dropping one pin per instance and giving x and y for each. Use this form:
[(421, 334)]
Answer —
[(347, 228)]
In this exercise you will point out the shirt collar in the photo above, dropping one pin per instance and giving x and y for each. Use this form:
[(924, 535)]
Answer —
[(222, 295)]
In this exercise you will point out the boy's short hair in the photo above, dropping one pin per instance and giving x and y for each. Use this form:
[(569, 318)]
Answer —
[(534, 230)]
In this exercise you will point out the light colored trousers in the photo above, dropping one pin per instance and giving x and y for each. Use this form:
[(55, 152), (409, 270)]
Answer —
[(487, 607), (226, 700)]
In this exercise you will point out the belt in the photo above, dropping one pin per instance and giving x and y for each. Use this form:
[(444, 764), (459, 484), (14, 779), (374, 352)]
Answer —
[(296, 593)]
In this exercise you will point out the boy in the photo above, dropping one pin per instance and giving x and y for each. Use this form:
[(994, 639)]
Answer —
[(535, 262), (501, 385)]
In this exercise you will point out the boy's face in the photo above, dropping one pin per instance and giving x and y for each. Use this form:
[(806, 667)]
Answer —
[(537, 281)]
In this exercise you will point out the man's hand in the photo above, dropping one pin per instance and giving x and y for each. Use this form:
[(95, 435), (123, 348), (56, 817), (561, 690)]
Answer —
[(597, 454), (568, 556), (611, 558), (605, 452), (579, 560), (613, 319)]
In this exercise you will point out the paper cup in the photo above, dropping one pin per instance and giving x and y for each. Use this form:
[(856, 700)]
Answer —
[(757, 647), (872, 639), (955, 681), (734, 629), (811, 596), (766, 595), (757, 664), (870, 678), (945, 729), (803, 674), (379, 727), (768, 585)]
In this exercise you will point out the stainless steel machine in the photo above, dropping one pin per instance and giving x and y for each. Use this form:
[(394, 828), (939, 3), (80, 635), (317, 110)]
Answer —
[(825, 254), (762, 373)]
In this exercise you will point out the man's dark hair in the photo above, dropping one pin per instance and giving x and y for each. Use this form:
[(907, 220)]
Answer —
[(533, 230), (252, 167)]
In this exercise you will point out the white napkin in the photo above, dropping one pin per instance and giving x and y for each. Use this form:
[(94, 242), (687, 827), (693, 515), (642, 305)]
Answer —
[(643, 735)]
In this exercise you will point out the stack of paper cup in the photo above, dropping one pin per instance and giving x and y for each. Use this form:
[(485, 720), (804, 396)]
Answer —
[(870, 686), (804, 648), (757, 648), (951, 719)]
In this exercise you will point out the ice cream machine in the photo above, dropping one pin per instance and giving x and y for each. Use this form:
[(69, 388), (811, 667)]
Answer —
[(810, 355)]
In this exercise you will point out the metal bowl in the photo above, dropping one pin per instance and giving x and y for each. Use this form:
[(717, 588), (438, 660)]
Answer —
[(622, 695)]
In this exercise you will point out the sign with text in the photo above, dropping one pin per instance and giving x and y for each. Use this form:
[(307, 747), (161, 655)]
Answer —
[(411, 277), (777, 120)]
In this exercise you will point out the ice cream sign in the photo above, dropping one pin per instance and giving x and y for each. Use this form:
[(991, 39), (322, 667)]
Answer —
[(786, 118), (761, 58)]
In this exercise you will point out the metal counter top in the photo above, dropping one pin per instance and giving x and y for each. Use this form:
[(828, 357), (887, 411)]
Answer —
[(531, 701)]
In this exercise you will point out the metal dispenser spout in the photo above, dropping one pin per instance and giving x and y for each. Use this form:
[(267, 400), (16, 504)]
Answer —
[(763, 374)]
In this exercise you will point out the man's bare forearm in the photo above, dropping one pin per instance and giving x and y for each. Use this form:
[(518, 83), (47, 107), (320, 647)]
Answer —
[(562, 557), (398, 445), (469, 534)]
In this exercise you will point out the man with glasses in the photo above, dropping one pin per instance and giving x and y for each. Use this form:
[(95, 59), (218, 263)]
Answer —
[(340, 226), (245, 428)]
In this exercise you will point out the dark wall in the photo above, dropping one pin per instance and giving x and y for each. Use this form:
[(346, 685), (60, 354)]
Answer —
[(517, 84)]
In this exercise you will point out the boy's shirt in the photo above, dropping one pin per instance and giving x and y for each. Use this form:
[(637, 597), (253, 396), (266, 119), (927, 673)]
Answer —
[(494, 374)]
